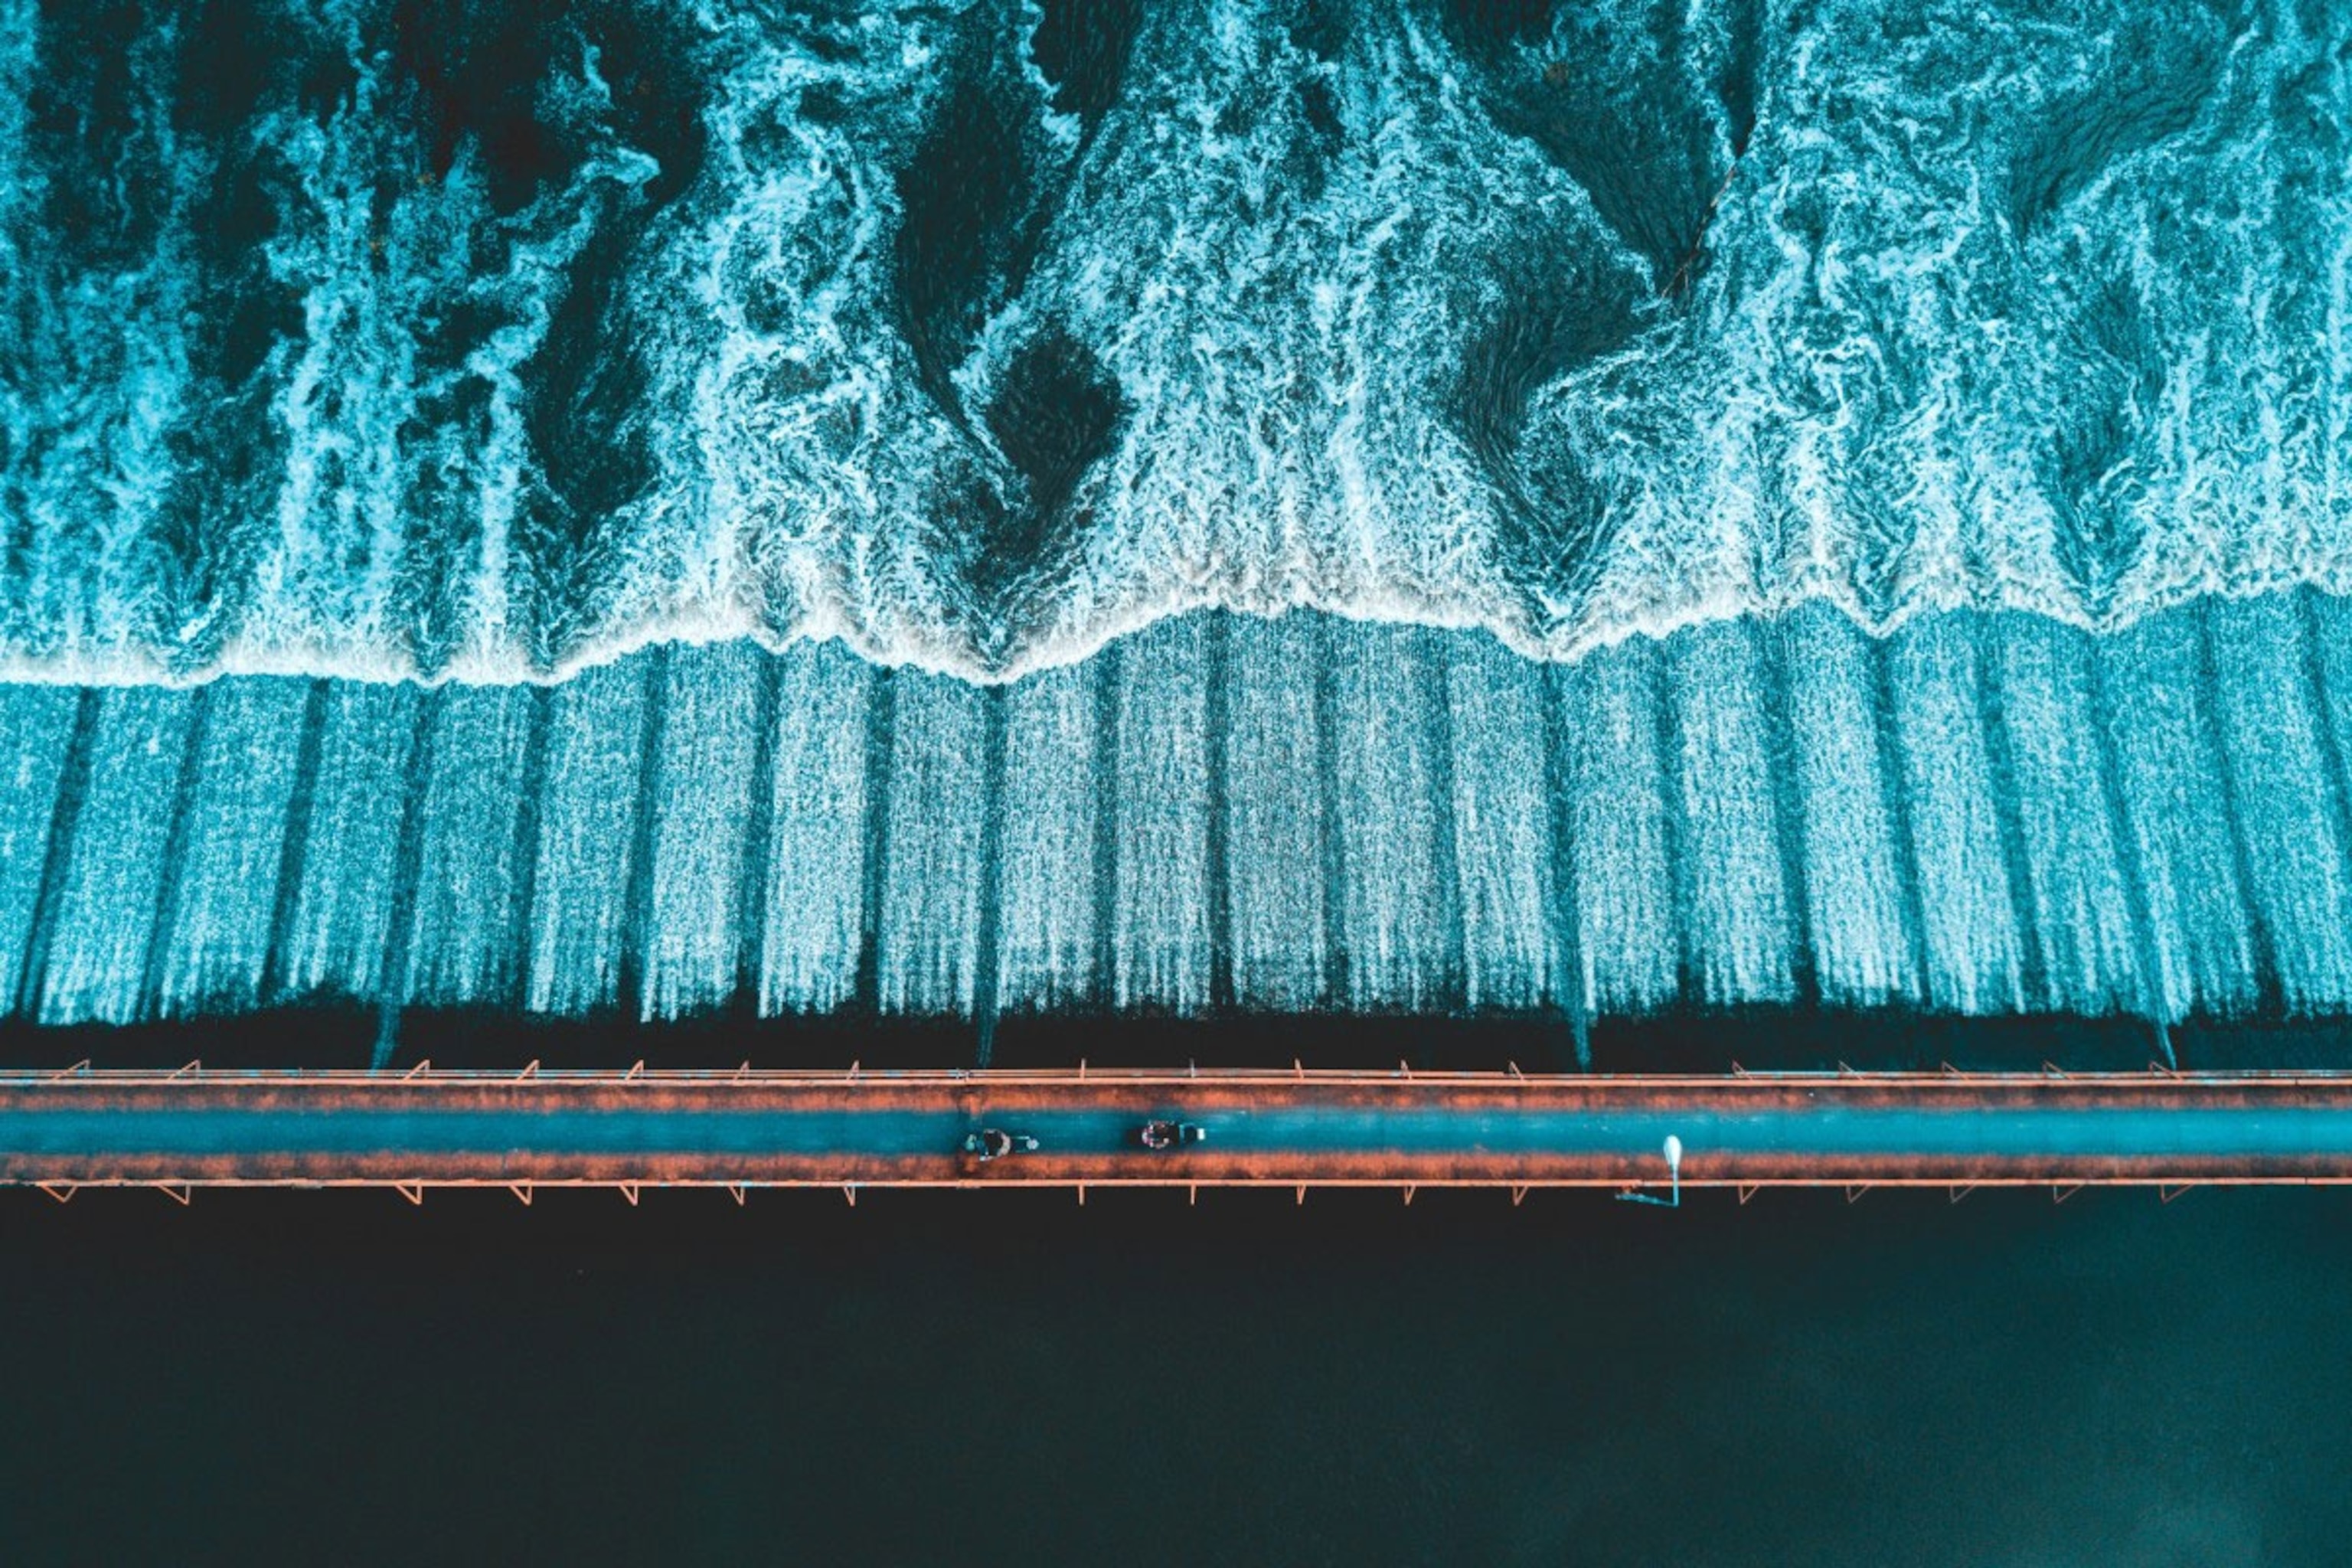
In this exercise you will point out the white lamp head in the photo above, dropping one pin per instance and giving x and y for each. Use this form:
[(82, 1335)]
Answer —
[(1674, 1152)]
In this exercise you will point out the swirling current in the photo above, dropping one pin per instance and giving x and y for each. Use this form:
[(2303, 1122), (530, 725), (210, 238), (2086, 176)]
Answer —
[(434, 338), (648, 507)]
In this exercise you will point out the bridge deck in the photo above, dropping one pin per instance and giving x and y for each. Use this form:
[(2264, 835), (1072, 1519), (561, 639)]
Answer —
[(198, 1128)]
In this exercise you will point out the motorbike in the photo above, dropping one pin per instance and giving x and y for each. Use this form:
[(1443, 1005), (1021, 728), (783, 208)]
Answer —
[(995, 1143), (1165, 1136)]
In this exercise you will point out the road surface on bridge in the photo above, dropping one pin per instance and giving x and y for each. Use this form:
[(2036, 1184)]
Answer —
[(199, 1127)]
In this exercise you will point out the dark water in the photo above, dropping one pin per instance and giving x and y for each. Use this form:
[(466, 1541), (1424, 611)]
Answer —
[(340, 1378)]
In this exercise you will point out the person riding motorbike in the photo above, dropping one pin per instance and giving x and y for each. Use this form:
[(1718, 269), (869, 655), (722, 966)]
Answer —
[(995, 1143)]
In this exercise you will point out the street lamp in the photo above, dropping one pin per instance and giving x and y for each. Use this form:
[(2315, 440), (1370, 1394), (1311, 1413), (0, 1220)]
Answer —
[(1673, 1174)]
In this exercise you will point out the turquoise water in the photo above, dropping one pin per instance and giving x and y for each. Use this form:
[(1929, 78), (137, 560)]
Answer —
[(1175, 508), (1976, 816), (1633, 534), (390, 335)]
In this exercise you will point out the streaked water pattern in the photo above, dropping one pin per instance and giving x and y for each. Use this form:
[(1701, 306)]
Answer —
[(1977, 815)]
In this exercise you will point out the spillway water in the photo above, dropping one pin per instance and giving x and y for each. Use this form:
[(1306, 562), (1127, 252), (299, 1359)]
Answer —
[(1981, 814), (1176, 506)]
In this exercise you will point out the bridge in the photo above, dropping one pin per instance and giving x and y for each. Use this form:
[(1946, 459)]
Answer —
[(1405, 1130)]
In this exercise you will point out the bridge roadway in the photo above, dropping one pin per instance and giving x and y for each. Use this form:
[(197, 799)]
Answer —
[(199, 1127)]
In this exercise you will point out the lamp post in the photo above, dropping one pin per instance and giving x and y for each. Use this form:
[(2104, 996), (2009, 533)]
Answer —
[(1673, 1174)]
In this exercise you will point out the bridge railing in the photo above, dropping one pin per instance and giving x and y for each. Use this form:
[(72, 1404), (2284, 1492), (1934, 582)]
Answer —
[(195, 1072)]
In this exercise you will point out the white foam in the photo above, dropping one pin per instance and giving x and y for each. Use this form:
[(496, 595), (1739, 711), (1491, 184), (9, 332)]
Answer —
[(1049, 822), (217, 940), (341, 926), (1275, 752), (1160, 925), (470, 868), (108, 905), (35, 728), (814, 874), (703, 815), (587, 839)]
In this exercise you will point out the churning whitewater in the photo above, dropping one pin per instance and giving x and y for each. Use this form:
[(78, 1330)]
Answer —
[(378, 338), (1898, 451)]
